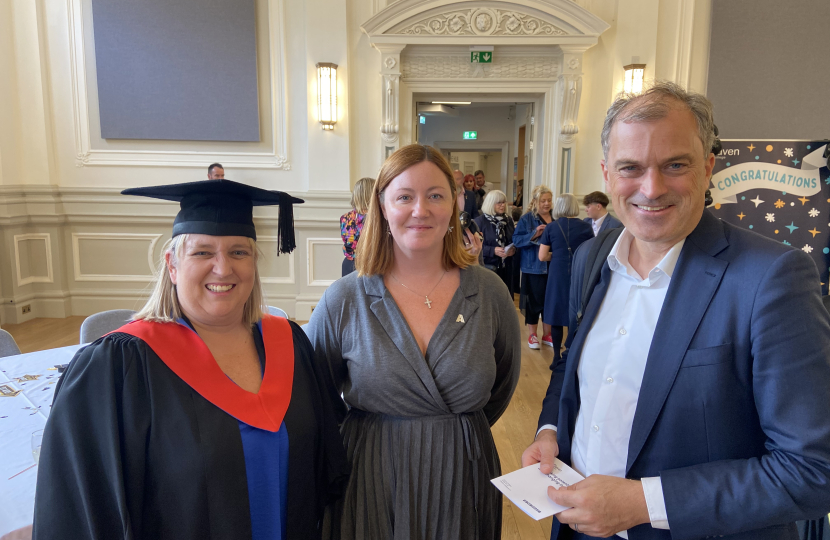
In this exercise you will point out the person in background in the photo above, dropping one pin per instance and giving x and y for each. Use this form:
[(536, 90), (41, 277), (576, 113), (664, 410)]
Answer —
[(516, 281), (479, 189), (497, 228), (216, 171), (534, 272), (426, 348), (351, 223), (557, 245), (596, 204), (466, 199), (470, 183), (205, 417), (519, 201)]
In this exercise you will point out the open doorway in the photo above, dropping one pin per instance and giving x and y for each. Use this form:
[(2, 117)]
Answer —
[(488, 136)]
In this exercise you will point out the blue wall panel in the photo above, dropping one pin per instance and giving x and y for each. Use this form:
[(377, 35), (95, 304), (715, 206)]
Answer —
[(177, 69)]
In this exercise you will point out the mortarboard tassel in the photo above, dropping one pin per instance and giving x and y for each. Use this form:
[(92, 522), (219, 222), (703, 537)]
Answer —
[(285, 226)]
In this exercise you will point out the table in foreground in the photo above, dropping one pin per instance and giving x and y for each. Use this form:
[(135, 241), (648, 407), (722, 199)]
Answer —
[(27, 385)]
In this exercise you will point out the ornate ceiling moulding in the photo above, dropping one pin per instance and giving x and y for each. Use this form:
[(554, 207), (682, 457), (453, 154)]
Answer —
[(474, 22), (483, 22)]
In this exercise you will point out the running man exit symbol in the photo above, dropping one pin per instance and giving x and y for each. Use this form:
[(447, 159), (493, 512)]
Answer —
[(481, 57)]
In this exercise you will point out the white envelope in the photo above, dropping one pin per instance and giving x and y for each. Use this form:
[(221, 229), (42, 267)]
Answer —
[(527, 488)]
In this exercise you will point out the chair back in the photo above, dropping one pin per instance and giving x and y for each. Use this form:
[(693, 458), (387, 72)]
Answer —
[(103, 323), (277, 312), (8, 346)]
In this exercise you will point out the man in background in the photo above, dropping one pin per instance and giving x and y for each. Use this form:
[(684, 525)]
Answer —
[(480, 192), (596, 205), (216, 172)]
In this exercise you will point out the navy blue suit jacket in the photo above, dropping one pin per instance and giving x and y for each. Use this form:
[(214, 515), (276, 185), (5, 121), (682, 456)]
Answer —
[(610, 222), (733, 408)]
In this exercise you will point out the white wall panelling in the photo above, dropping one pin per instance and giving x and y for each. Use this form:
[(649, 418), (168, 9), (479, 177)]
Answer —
[(47, 247), (313, 279), (149, 275), (95, 225), (265, 240)]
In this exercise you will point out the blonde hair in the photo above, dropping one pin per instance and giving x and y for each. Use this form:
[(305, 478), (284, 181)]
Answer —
[(566, 205), (362, 194), (491, 200), (535, 195), (375, 254), (163, 305)]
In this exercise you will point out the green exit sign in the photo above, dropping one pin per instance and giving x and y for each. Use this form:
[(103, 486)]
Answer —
[(471, 134), (481, 57)]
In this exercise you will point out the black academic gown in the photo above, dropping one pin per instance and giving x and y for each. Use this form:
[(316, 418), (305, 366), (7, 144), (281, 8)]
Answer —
[(131, 451)]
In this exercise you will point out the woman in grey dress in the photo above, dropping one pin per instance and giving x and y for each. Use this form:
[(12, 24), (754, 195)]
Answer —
[(425, 346)]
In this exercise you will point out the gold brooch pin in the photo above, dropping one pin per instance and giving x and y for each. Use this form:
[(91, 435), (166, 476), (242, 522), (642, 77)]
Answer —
[(460, 318)]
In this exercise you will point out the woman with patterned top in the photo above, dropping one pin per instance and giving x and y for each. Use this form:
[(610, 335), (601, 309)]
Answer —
[(351, 223)]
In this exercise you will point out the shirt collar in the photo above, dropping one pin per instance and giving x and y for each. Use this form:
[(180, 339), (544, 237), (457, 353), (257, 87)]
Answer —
[(618, 258), (599, 221)]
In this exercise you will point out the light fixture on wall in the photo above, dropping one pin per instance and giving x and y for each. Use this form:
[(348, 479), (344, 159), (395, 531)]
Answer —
[(327, 94), (634, 78)]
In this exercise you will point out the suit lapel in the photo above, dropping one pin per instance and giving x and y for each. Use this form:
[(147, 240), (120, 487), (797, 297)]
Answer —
[(465, 302), (696, 277)]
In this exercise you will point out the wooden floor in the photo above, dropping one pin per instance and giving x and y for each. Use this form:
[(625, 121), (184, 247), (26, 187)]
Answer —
[(512, 433)]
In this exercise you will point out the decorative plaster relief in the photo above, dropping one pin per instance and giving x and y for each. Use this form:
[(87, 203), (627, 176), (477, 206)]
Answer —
[(483, 22), (459, 67)]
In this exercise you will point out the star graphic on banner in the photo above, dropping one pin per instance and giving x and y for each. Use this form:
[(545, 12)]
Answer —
[(796, 162), (803, 200), (751, 148), (757, 200), (791, 227), (788, 152), (807, 249), (786, 243), (741, 216), (814, 232), (771, 218), (779, 203), (813, 212)]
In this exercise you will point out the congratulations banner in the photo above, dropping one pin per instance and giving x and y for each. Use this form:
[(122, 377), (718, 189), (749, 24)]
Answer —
[(780, 189)]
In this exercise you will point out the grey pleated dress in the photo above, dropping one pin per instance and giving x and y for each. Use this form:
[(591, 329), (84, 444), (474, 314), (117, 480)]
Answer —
[(417, 432)]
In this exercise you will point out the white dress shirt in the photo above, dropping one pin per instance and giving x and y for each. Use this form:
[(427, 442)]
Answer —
[(597, 223), (611, 371)]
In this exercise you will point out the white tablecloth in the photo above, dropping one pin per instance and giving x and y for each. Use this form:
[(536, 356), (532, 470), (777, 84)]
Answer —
[(20, 416)]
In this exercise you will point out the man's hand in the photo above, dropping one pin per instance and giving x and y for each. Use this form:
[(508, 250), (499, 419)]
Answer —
[(602, 505), (499, 252), (542, 451)]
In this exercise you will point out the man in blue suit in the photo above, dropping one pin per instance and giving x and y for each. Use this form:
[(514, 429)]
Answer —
[(694, 396), (596, 204)]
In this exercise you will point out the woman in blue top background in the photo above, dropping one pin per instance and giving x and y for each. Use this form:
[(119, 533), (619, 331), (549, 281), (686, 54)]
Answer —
[(534, 272), (557, 246)]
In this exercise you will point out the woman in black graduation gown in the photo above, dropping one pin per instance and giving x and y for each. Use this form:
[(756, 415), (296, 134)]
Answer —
[(205, 418)]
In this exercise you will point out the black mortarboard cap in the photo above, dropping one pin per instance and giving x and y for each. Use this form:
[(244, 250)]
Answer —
[(224, 208)]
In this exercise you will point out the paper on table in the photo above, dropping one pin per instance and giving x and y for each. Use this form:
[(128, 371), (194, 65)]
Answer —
[(527, 488)]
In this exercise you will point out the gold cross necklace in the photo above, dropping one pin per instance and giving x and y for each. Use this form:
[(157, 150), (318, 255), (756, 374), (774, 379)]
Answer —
[(427, 301)]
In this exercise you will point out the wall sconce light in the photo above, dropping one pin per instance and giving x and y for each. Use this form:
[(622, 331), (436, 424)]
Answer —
[(327, 94), (634, 78)]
